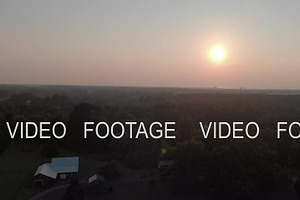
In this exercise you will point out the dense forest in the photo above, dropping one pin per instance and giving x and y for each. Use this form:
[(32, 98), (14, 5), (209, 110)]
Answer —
[(233, 169)]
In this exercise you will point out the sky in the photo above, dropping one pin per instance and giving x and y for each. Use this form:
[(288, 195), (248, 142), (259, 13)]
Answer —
[(165, 43)]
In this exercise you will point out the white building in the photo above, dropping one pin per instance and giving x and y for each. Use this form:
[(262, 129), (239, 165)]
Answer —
[(59, 168)]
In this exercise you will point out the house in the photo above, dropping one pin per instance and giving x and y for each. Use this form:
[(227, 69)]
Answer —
[(45, 175), (66, 167), (58, 169)]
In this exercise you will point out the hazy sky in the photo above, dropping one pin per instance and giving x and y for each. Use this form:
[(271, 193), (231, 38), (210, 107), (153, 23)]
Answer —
[(150, 43)]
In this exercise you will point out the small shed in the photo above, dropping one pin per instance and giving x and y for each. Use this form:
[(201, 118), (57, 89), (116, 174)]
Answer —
[(97, 184), (96, 179)]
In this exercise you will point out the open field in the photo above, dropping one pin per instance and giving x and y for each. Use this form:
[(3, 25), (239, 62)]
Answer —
[(18, 164), (21, 159)]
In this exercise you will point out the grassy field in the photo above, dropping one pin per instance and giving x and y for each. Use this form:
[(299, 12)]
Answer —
[(17, 167), (20, 161), (18, 164)]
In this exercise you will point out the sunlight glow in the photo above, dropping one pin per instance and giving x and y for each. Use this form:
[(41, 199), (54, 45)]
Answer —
[(217, 53)]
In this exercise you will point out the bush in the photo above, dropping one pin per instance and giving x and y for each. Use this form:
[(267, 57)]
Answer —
[(111, 171)]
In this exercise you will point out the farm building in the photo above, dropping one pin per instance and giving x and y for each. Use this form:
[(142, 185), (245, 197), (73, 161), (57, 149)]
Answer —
[(97, 183), (65, 167), (96, 179), (45, 175), (58, 169)]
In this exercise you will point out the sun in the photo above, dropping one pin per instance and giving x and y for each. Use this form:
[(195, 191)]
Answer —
[(218, 53)]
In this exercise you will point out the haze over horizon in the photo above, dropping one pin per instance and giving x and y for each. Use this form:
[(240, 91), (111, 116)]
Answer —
[(143, 43)]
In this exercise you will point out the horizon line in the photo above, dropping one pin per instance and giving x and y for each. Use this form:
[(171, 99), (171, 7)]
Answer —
[(142, 86)]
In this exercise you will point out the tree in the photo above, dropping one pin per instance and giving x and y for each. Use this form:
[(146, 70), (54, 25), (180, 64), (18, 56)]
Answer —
[(74, 139), (4, 136), (111, 171), (242, 169)]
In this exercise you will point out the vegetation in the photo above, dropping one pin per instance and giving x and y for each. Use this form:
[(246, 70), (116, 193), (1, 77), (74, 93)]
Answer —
[(233, 169), (74, 191), (111, 171)]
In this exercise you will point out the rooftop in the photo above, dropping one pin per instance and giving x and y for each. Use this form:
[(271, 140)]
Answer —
[(59, 165)]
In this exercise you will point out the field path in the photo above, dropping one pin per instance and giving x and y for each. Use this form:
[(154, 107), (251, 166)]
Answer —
[(59, 191)]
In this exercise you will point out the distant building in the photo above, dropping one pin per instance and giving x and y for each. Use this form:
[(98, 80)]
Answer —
[(165, 166), (96, 179), (58, 169), (97, 183)]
